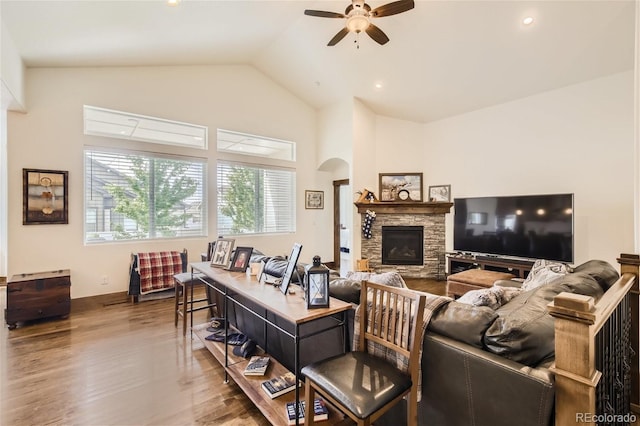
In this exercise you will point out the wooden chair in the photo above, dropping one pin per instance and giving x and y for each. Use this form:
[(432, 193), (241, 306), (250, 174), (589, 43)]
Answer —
[(360, 383)]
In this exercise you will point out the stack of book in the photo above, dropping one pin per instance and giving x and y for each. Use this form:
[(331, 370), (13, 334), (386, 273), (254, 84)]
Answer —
[(319, 409), (257, 366), (280, 385)]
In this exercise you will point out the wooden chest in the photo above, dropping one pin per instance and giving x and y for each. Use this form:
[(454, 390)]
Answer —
[(38, 295)]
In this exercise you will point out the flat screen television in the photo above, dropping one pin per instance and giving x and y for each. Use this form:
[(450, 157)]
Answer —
[(523, 226)]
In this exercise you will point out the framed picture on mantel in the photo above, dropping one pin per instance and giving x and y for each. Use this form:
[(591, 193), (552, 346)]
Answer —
[(400, 186), (440, 194)]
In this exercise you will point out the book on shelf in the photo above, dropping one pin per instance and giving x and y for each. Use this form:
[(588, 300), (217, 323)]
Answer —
[(319, 408), (280, 385), (257, 366)]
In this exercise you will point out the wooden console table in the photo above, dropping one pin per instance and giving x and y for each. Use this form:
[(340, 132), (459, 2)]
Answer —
[(236, 287)]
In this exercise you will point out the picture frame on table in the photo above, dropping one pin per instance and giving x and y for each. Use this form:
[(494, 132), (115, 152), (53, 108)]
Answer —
[(222, 252), (241, 257), (400, 186), (45, 197), (292, 262), (313, 199), (440, 193)]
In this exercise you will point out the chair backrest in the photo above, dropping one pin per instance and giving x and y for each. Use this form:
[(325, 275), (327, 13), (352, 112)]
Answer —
[(393, 318)]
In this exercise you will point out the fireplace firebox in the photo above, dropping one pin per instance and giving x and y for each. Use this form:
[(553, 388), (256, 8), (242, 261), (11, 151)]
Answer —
[(402, 245)]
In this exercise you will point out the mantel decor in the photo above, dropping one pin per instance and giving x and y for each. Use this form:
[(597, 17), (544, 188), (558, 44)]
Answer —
[(400, 186), (45, 197), (440, 193)]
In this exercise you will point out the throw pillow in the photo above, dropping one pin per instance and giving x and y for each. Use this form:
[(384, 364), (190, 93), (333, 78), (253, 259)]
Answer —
[(392, 279), (544, 272), (483, 297), (493, 297)]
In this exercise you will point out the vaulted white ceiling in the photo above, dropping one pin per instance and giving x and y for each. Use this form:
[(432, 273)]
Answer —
[(444, 57)]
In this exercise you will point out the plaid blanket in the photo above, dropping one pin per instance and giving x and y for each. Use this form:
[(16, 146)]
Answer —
[(432, 303), (157, 269)]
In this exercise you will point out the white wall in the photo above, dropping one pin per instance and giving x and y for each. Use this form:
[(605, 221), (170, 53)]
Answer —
[(50, 136), (578, 139), (364, 174), (11, 72)]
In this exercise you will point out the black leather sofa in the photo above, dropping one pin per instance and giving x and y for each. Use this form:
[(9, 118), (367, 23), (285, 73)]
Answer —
[(479, 366)]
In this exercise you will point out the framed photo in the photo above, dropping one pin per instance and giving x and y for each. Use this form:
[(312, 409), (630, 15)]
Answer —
[(313, 199), (440, 193), (222, 252), (291, 267), (241, 257), (400, 186), (45, 197)]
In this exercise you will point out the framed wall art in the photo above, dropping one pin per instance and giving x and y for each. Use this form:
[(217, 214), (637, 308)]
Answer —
[(313, 199), (400, 186), (45, 197), (222, 252), (440, 193)]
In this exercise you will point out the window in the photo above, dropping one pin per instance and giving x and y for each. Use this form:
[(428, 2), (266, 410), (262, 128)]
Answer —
[(255, 199), (255, 146), (256, 184), (125, 125), (134, 196)]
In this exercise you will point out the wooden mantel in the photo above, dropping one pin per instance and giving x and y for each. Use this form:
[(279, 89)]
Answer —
[(404, 207)]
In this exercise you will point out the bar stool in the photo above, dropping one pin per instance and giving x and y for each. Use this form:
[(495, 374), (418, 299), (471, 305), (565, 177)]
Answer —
[(184, 301)]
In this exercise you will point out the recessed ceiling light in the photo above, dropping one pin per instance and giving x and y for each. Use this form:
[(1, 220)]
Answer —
[(528, 20), (173, 2), (378, 85)]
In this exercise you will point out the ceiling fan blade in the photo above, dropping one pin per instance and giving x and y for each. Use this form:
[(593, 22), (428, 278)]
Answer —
[(376, 34), (336, 38), (323, 14), (393, 8)]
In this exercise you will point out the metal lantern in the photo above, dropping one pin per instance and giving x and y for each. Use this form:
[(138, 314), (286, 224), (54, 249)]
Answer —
[(317, 284)]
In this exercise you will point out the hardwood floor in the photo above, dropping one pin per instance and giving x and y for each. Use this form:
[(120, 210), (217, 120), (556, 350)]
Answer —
[(118, 363)]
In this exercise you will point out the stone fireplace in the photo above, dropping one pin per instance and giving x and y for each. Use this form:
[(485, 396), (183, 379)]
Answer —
[(429, 259)]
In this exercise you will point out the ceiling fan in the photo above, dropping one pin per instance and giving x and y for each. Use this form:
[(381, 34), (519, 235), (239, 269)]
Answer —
[(358, 15)]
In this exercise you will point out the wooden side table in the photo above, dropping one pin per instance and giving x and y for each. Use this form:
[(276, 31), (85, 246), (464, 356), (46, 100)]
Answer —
[(38, 295)]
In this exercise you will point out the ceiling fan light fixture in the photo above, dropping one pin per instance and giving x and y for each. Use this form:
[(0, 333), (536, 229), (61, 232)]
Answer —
[(357, 23)]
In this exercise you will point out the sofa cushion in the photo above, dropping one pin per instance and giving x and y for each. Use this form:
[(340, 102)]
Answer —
[(601, 271), (345, 289), (524, 331), (462, 322), (392, 279)]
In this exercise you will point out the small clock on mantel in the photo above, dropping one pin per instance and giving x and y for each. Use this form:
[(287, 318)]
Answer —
[(403, 195)]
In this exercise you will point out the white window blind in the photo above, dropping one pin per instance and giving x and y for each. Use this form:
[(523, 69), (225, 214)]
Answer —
[(255, 199), (133, 196)]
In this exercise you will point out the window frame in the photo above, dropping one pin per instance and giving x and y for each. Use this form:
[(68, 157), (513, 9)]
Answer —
[(201, 195)]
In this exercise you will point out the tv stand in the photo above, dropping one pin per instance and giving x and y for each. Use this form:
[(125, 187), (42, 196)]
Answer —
[(458, 262)]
